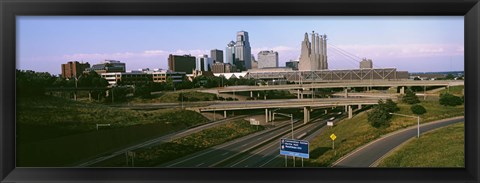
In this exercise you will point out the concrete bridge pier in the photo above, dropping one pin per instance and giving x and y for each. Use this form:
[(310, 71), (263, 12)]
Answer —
[(424, 92), (251, 94), (350, 112), (402, 90), (306, 114), (359, 106), (346, 108), (266, 115), (346, 92), (224, 114), (298, 94), (270, 114)]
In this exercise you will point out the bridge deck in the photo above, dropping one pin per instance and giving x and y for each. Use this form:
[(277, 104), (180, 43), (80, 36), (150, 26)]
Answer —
[(340, 85), (291, 103)]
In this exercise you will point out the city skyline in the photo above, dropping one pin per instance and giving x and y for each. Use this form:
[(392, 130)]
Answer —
[(414, 44)]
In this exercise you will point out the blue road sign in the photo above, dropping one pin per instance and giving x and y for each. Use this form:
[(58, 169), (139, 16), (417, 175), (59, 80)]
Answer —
[(297, 148)]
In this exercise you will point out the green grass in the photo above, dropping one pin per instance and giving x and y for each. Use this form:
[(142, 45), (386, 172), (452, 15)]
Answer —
[(440, 148), (454, 90), (165, 152), (172, 97), (355, 132), (59, 132)]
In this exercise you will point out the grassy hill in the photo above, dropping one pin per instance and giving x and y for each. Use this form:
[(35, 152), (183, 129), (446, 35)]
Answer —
[(440, 148), (355, 132), (59, 132)]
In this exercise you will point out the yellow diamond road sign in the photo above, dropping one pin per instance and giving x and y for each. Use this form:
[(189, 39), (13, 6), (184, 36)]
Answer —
[(333, 137)]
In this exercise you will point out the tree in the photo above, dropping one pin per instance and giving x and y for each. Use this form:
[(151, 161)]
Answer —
[(170, 85), (30, 83), (418, 109), (448, 99), (450, 77), (391, 106), (410, 97), (118, 94), (379, 116), (143, 92)]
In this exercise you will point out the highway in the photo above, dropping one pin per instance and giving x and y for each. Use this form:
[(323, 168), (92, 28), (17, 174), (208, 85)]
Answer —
[(217, 154), (375, 83), (268, 154), (165, 138), (227, 154), (290, 103), (367, 155)]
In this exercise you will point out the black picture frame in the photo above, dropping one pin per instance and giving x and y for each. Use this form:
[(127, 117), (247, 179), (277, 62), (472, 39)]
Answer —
[(9, 9)]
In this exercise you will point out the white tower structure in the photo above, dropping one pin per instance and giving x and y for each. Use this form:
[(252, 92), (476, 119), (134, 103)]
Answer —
[(313, 55)]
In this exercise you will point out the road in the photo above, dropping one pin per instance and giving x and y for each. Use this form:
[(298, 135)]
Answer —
[(228, 154), (268, 154), (368, 154), (165, 138), (215, 155)]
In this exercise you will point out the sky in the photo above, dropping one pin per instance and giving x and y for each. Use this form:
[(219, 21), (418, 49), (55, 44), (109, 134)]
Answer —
[(408, 43)]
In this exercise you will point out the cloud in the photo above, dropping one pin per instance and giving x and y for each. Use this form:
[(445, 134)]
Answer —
[(376, 51)]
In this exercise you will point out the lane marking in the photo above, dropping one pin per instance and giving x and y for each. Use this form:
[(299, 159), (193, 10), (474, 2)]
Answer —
[(273, 143), (225, 153), (200, 164), (228, 144)]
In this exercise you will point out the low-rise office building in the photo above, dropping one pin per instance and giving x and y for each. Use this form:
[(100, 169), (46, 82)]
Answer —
[(73, 69), (142, 77), (108, 66)]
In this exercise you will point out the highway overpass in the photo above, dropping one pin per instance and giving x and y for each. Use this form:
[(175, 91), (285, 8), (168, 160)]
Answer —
[(306, 104), (372, 83)]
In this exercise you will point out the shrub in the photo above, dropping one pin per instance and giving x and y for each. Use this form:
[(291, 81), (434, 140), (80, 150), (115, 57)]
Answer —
[(410, 97), (418, 109), (448, 99), (379, 116), (143, 92)]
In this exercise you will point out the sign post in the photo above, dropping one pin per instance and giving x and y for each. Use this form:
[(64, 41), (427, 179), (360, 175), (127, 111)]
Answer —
[(333, 137)]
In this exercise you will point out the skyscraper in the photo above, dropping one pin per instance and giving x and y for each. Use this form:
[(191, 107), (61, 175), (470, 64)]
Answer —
[(314, 54), (216, 55), (267, 59), (230, 53), (204, 63), (243, 51)]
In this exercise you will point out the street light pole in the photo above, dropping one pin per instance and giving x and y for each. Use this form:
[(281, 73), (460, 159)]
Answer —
[(418, 121)]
